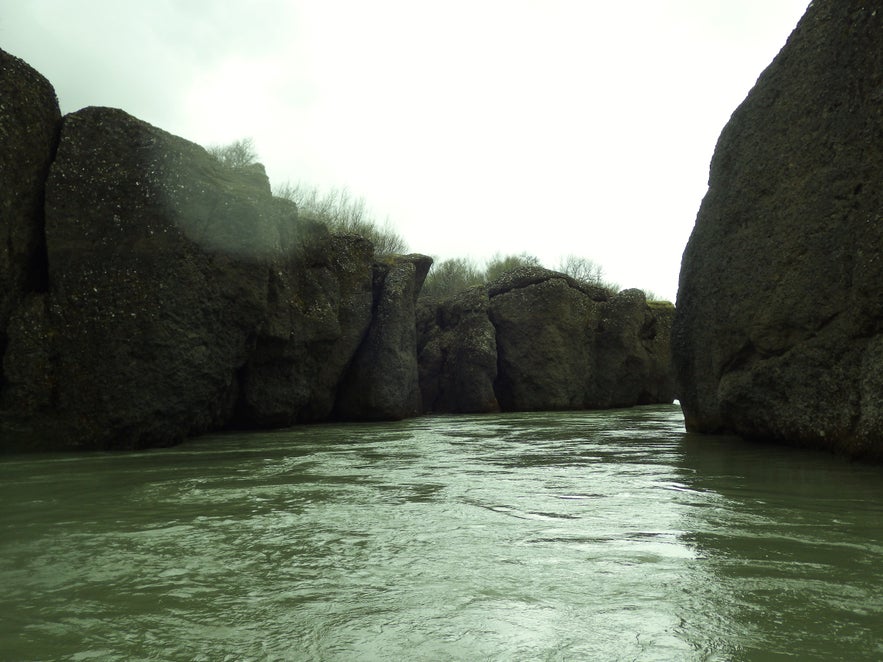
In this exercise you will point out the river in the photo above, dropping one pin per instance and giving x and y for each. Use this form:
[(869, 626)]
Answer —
[(606, 535)]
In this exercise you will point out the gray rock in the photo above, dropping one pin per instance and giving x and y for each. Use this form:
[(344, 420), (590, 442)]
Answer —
[(633, 349), (29, 120), (780, 309), (151, 293), (383, 382), (536, 339), (457, 354), (545, 344), (320, 308), (174, 285)]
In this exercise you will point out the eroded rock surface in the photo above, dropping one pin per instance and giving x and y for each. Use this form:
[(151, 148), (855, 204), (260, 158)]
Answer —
[(458, 354), (382, 383), (182, 297), (779, 328), (29, 122), (150, 293), (539, 340)]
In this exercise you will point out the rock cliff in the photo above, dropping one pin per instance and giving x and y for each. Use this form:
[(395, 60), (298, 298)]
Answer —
[(150, 292), (457, 346), (182, 297), (779, 329), (382, 382), (29, 120), (538, 340)]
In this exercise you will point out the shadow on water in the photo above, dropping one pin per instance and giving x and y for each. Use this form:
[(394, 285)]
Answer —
[(791, 544)]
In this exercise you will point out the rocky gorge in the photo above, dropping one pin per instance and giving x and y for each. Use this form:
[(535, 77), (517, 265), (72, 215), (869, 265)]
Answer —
[(150, 293)]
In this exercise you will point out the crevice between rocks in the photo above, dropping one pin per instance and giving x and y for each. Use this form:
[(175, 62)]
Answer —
[(37, 276)]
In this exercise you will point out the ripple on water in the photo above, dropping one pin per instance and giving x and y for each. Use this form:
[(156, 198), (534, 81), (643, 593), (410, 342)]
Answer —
[(557, 536)]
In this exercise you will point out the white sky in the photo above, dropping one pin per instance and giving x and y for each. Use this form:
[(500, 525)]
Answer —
[(551, 127)]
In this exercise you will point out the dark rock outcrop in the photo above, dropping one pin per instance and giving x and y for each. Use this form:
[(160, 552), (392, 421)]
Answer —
[(545, 342), (29, 121), (382, 382), (779, 328), (539, 340), (458, 354), (182, 297), (150, 292), (320, 302), (633, 350)]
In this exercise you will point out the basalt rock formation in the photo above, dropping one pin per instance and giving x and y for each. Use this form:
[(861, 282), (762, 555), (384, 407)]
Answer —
[(182, 297), (539, 340), (779, 326), (382, 382), (154, 293), (29, 119), (457, 346), (150, 292)]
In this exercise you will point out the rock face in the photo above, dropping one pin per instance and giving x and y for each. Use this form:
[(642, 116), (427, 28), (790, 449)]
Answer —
[(458, 354), (29, 121), (539, 340), (180, 297), (382, 383), (320, 301), (150, 292), (633, 350), (779, 329), (544, 343)]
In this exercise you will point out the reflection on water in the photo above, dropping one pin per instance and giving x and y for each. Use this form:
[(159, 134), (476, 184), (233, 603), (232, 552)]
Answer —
[(792, 543), (542, 536)]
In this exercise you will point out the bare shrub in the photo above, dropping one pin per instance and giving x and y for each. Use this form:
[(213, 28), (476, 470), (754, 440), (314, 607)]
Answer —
[(448, 277), (237, 154), (500, 264), (345, 214)]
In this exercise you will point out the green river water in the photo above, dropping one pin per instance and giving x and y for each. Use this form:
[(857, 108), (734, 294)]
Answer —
[(543, 536)]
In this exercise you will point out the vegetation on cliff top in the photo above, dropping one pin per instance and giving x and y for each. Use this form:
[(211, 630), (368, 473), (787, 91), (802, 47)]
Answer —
[(344, 213), (448, 277), (238, 154)]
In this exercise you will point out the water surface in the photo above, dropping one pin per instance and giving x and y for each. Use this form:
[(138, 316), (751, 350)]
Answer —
[(543, 536)]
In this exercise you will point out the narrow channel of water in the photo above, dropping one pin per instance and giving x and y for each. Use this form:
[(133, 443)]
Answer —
[(542, 536)]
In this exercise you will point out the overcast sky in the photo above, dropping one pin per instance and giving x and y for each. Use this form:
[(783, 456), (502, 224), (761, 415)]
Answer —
[(551, 127)]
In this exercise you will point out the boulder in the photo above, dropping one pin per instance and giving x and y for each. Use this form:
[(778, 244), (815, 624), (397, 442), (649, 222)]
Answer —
[(383, 383), (779, 327), (29, 120)]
